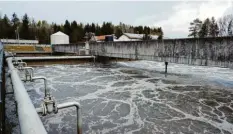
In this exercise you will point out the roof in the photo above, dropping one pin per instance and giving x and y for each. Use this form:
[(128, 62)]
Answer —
[(59, 33), (101, 37), (19, 41), (138, 36)]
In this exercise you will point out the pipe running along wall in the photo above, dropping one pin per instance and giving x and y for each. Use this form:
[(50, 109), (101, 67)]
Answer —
[(67, 105), (30, 122)]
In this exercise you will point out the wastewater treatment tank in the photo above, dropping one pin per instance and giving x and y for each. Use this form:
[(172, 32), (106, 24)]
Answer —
[(135, 97)]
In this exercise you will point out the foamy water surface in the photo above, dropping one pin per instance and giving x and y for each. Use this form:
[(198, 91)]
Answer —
[(136, 97)]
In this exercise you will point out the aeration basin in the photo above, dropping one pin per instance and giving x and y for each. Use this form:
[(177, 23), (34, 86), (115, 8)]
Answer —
[(136, 97)]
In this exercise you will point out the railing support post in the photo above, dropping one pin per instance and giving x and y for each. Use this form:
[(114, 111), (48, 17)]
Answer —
[(166, 63)]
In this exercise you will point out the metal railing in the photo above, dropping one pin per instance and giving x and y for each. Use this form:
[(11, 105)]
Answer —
[(2, 91), (28, 117), (29, 120)]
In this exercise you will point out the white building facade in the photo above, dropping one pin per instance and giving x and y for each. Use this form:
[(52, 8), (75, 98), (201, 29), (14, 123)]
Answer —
[(134, 37), (59, 38), (14, 41)]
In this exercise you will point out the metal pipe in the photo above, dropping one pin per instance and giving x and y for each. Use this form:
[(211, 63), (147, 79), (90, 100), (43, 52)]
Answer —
[(166, 63), (30, 122), (54, 58), (79, 117), (29, 68), (67, 105), (46, 91), (16, 60), (24, 63)]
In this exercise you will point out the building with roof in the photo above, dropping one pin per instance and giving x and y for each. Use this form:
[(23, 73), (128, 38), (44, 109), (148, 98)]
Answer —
[(20, 41), (103, 38), (59, 38), (100, 38), (134, 37)]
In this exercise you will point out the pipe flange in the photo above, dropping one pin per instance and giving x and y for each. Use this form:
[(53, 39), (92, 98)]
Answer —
[(55, 109), (44, 109), (50, 104)]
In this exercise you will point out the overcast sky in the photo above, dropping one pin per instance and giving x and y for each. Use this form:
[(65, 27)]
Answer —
[(173, 16)]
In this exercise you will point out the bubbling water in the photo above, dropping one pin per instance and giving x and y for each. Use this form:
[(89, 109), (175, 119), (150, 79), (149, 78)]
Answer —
[(136, 97)]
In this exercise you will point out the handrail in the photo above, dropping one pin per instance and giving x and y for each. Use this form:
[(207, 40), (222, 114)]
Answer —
[(30, 122)]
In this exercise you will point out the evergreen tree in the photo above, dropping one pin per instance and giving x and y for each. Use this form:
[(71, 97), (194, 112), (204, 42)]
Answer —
[(33, 30), (146, 30), (43, 36), (213, 28), (80, 33), (97, 30), (15, 25), (44, 32), (160, 32), (194, 28), (93, 28), (138, 29), (67, 28), (74, 33), (154, 31), (55, 28), (216, 29), (87, 28), (5, 27), (24, 30), (103, 29), (41, 30), (107, 28), (15, 20), (118, 31), (205, 29)]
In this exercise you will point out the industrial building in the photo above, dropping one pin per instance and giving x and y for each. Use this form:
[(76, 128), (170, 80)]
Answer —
[(59, 38), (102, 38), (14, 41), (134, 37)]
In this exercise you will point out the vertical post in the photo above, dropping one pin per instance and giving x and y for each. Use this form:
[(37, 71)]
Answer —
[(166, 63), (94, 60), (87, 47)]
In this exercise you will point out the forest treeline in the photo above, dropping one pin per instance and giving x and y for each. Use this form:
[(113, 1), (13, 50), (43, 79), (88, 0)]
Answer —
[(28, 28), (210, 27)]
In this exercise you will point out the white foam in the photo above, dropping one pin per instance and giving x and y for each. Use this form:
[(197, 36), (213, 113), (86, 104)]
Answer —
[(102, 79), (222, 76)]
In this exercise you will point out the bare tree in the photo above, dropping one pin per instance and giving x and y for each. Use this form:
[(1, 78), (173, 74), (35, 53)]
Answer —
[(225, 25)]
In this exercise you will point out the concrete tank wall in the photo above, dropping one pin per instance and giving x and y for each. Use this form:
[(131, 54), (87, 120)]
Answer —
[(69, 48), (204, 51)]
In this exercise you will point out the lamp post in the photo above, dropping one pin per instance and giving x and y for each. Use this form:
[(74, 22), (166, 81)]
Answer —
[(17, 34)]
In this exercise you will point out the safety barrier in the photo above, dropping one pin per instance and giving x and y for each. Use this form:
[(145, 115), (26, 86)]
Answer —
[(28, 118), (2, 91)]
